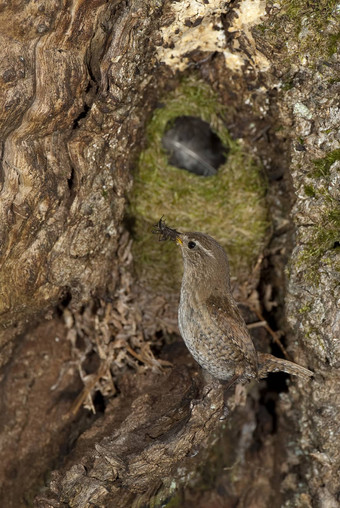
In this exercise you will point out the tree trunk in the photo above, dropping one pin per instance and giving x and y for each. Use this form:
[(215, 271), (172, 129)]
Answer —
[(101, 403)]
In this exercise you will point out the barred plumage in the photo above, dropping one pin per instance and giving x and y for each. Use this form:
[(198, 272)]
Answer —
[(209, 320)]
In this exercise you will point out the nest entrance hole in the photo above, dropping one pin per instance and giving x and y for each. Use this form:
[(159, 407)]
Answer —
[(192, 145)]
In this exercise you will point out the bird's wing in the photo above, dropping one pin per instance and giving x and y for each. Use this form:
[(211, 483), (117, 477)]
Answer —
[(228, 319)]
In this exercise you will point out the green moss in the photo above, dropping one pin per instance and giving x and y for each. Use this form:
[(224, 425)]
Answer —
[(287, 85), (325, 237), (305, 309), (309, 191), (325, 232), (333, 43), (174, 502), (318, 10), (230, 206), (322, 166), (313, 26), (262, 27), (313, 332)]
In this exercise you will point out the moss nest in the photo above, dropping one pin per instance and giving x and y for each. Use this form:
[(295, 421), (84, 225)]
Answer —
[(230, 206)]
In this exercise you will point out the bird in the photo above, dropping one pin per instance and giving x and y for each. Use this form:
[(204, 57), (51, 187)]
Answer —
[(209, 319)]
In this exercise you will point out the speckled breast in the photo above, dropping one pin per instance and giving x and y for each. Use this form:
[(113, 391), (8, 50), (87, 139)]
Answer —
[(203, 340)]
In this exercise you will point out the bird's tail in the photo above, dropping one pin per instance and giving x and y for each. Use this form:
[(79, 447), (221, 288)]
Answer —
[(268, 363)]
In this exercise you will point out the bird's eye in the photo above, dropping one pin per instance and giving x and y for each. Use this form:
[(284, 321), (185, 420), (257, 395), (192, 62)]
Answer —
[(191, 245)]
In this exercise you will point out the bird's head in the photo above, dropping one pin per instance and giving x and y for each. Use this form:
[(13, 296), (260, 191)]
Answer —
[(206, 264), (204, 259)]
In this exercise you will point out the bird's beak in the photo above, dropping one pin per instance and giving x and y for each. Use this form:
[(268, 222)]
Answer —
[(179, 241)]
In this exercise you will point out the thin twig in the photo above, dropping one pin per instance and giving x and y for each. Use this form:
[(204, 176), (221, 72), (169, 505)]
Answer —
[(274, 335)]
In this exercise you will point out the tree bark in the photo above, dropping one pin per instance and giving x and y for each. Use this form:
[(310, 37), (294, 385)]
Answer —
[(79, 83)]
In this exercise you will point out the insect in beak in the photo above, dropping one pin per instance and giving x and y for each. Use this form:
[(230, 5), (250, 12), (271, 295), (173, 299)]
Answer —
[(166, 233)]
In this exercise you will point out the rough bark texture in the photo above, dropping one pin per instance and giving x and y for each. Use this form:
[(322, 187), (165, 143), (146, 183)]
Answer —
[(313, 291), (71, 116), (79, 81)]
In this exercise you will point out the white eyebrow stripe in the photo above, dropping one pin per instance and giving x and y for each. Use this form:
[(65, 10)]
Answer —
[(207, 251)]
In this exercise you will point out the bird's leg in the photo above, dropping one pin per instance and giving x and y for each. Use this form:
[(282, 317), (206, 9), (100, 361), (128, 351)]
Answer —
[(231, 382), (226, 385)]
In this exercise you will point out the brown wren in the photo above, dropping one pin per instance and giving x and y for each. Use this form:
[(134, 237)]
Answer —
[(209, 320)]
